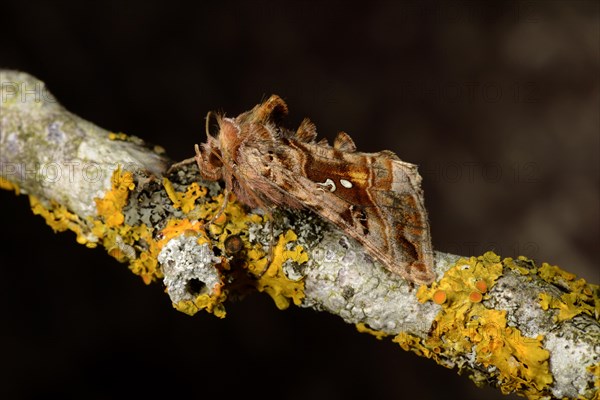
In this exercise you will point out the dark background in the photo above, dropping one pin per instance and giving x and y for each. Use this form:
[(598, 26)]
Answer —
[(498, 103)]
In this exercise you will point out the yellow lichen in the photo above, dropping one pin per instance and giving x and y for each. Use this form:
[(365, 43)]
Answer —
[(459, 281), (274, 281), (111, 205), (554, 274), (517, 267), (185, 201), (118, 136), (179, 227), (140, 245), (464, 325), (583, 298), (133, 244), (146, 263), (234, 221), (60, 219), (123, 242), (569, 305), (212, 303), (8, 185), (202, 302), (362, 328), (413, 343), (595, 371)]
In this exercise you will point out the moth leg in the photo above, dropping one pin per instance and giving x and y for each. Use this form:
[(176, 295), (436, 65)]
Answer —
[(222, 208), (179, 164)]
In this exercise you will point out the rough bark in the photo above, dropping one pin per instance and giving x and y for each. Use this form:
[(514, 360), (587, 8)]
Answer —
[(528, 329)]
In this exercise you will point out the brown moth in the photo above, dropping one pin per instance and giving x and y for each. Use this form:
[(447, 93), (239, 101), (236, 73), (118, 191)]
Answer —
[(374, 198)]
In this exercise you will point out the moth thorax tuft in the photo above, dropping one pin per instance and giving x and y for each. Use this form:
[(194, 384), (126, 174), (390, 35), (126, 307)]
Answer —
[(228, 136)]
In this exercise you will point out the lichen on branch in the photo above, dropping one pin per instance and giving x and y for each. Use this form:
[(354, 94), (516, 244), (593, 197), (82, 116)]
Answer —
[(523, 328)]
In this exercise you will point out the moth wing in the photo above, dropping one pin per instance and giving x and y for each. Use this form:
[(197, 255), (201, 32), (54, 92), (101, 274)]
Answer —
[(380, 205), (307, 131), (272, 110), (407, 225), (344, 142), (323, 142), (374, 198), (262, 182)]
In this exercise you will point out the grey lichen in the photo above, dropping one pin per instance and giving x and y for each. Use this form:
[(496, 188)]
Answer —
[(345, 281), (574, 345), (56, 155), (188, 268), (573, 349), (522, 307)]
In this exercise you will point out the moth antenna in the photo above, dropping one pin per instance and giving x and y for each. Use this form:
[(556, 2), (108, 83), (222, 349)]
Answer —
[(219, 118), (207, 126)]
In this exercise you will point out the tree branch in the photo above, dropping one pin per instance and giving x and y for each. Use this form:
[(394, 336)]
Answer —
[(527, 329)]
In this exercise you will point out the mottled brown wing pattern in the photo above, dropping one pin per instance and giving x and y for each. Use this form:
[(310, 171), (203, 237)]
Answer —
[(374, 198)]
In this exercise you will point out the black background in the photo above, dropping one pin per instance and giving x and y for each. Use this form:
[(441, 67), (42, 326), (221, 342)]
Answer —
[(497, 103)]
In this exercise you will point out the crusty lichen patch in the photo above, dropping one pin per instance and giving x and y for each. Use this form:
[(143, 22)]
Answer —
[(60, 219), (8, 185), (522, 265), (210, 303), (134, 244), (595, 370), (582, 298), (363, 328), (274, 281), (110, 207), (233, 220), (192, 276), (465, 326), (137, 244), (184, 201), (118, 136), (568, 305), (57, 216), (409, 342)]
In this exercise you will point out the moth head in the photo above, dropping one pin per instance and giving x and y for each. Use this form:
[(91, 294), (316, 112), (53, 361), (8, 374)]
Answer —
[(225, 141), (208, 158)]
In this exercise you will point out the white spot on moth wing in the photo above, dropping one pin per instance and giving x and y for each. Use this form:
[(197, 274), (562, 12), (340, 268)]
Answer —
[(346, 184), (329, 183)]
